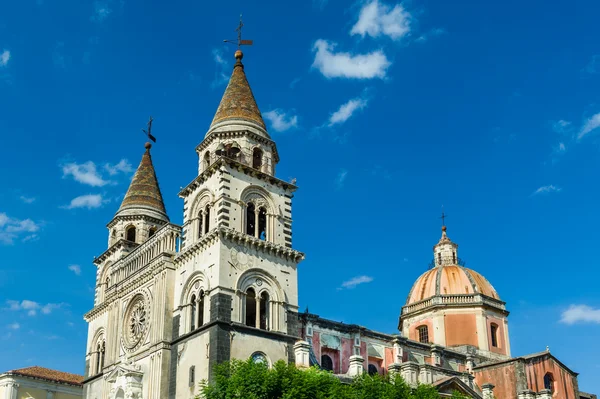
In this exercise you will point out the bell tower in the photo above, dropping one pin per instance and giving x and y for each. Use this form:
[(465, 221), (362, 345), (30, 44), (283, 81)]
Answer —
[(236, 288)]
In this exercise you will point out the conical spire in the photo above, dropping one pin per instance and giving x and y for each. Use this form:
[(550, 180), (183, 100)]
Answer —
[(143, 196), (238, 102)]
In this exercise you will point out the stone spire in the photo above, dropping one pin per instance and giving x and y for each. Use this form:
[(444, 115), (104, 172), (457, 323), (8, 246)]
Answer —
[(445, 252), (238, 103), (143, 196)]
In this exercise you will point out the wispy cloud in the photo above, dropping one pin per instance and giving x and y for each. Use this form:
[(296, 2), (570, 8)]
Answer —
[(376, 19), (85, 173), (353, 282), (14, 326), (580, 314), (89, 201), (547, 189), (280, 120), (346, 110), (589, 126), (101, 11), (562, 126), (32, 308), (434, 33), (222, 68), (593, 66), (4, 58), (341, 178), (347, 65), (122, 167), (75, 269), (27, 200), (13, 228)]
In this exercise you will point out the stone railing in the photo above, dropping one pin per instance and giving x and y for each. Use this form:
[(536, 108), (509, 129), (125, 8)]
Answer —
[(165, 240), (453, 300)]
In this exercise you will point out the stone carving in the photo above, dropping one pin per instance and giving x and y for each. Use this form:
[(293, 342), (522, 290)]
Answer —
[(240, 260), (135, 322)]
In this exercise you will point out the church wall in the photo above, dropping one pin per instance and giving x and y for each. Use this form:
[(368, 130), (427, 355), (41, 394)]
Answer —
[(505, 378), (564, 382), (27, 392), (95, 389), (192, 352), (243, 345), (426, 321), (501, 349), (347, 351), (461, 329)]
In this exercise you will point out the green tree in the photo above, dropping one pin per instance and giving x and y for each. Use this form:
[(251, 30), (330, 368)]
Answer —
[(250, 380)]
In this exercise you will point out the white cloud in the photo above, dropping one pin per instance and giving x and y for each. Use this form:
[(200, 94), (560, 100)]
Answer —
[(346, 65), (591, 124), (222, 67), (89, 201), (346, 111), (580, 314), (561, 126), (27, 200), (75, 269), (353, 282), (12, 228), (4, 57), (376, 19), (561, 148), (122, 167), (32, 307), (14, 326), (85, 173), (101, 11), (281, 121), (341, 178), (547, 189)]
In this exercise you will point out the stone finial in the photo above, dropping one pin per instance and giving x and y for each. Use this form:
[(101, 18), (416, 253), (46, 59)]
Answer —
[(356, 365), (488, 391), (302, 354)]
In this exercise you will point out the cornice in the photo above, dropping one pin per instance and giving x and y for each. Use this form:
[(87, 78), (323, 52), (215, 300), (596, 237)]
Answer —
[(122, 243), (135, 217), (224, 161), (239, 238), (453, 301), (237, 133)]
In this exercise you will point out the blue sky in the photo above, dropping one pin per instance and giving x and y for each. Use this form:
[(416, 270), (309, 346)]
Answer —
[(383, 111)]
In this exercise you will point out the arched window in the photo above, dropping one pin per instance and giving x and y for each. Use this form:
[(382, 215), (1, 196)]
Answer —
[(439, 258), (206, 160), (250, 219), (151, 232), (326, 363), (192, 376), (200, 225), (201, 309), (260, 358), (98, 356), (131, 233), (102, 353), (454, 257), (494, 334), (262, 223), (264, 311), (423, 334), (193, 313), (114, 233), (206, 218), (549, 382), (373, 369), (250, 308), (257, 158)]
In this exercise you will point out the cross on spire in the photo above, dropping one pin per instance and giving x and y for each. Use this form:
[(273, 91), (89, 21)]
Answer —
[(239, 41), (443, 217)]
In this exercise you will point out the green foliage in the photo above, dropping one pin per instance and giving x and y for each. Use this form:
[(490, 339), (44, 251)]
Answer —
[(250, 380)]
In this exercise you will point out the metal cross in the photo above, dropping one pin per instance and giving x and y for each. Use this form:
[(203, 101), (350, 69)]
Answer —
[(239, 40), (443, 217), (149, 131)]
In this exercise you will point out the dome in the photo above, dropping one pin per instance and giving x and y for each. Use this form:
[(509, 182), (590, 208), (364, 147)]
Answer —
[(450, 280)]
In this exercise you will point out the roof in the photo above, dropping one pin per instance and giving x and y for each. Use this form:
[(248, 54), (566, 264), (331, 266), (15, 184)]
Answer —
[(49, 375), (238, 102), (450, 280), (526, 358), (144, 193)]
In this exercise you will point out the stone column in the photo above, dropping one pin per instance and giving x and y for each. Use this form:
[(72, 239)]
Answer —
[(488, 391), (544, 394), (302, 354), (356, 365), (409, 372), (398, 352), (470, 363), (10, 390), (436, 355)]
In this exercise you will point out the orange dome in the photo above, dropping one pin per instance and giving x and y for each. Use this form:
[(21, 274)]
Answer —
[(450, 280)]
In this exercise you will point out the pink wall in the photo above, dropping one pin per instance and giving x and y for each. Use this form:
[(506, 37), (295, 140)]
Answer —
[(347, 351), (413, 333), (316, 339), (500, 335)]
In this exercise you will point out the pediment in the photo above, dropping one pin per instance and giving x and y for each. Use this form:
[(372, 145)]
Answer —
[(447, 386), (124, 370)]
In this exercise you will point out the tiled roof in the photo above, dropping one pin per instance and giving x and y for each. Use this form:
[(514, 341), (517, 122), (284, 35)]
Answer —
[(238, 101), (144, 191), (49, 374)]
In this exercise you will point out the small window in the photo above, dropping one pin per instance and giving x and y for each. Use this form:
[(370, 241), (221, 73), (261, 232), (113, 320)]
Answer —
[(257, 158), (192, 378), (102, 353), (206, 160), (98, 357), (151, 232), (200, 225), (494, 334), (206, 219), (454, 257), (423, 334), (326, 363), (373, 369), (264, 311), (201, 309), (262, 223), (250, 308), (193, 313), (250, 219), (549, 382), (439, 258), (260, 358), (131, 233)]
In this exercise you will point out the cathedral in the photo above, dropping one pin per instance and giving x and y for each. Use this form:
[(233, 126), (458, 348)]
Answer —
[(173, 301)]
